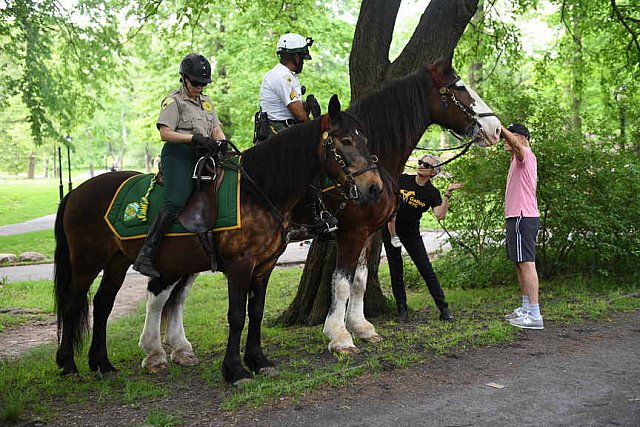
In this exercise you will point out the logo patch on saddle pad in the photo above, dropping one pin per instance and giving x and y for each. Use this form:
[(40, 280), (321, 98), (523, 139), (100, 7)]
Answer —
[(131, 211)]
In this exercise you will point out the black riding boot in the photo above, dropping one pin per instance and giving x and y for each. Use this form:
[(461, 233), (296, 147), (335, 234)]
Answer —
[(144, 261), (445, 314)]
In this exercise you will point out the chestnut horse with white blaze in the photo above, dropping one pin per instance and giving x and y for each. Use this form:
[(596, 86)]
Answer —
[(395, 117)]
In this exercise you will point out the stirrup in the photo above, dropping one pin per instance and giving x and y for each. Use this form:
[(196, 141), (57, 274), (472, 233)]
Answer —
[(329, 222)]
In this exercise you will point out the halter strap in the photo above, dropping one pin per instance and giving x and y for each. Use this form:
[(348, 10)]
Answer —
[(435, 75), (325, 122)]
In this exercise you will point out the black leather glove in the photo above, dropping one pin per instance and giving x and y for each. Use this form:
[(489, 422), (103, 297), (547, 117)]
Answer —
[(312, 106), (200, 140)]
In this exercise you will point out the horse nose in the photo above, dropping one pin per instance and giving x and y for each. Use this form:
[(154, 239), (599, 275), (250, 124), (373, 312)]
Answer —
[(374, 192)]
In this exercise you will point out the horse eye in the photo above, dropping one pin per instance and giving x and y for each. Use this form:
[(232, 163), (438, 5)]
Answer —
[(346, 140)]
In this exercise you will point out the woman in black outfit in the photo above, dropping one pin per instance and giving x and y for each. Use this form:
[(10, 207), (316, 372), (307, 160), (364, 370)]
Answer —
[(418, 196)]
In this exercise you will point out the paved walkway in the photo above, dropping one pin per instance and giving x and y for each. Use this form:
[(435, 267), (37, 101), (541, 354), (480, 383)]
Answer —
[(296, 253), (38, 224)]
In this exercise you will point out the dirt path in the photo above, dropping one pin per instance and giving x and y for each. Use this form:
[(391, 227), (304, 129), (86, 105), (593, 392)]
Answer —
[(16, 341), (566, 375)]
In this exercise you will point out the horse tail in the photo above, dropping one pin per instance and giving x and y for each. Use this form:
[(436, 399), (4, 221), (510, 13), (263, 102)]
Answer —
[(78, 322)]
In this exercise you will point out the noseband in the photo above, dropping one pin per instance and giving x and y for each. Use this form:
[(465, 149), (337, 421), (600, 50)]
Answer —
[(352, 192), (474, 129)]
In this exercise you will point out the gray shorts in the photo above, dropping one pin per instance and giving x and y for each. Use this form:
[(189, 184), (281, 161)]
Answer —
[(521, 238)]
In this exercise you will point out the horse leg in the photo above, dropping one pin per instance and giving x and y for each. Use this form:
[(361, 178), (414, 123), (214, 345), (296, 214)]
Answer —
[(73, 319), (150, 342), (254, 357), (238, 285), (110, 284), (356, 321), (182, 351), (334, 325)]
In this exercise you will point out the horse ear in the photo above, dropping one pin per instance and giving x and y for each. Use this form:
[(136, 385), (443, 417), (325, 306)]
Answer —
[(334, 108), (446, 63)]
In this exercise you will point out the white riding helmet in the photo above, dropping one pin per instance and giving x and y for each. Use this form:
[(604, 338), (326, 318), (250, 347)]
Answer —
[(294, 43)]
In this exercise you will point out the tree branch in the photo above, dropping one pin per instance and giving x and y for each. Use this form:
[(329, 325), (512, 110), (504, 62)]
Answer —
[(621, 18), (371, 42), (426, 43)]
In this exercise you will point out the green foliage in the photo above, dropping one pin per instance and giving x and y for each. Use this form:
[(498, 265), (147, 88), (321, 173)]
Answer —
[(52, 57)]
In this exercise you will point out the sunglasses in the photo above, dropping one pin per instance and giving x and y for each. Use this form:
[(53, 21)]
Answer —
[(425, 164), (197, 84)]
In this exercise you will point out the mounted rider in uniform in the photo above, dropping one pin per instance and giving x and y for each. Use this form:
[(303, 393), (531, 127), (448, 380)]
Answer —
[(187, 120)]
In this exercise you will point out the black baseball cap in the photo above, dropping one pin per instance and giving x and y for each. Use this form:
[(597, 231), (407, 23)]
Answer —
[(519, 129)]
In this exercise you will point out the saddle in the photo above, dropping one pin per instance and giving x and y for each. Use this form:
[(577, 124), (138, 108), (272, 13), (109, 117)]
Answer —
[(200, 212)]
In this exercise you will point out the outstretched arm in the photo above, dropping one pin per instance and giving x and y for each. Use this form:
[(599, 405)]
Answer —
[(515, 142), (440, 211)]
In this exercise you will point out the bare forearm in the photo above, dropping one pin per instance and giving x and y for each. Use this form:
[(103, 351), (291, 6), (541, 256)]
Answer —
[(297, 109), (168, 135), (441, 211), (217, 133)]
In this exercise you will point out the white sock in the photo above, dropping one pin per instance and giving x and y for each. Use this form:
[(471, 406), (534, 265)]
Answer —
[(525, 302), (534, 309)]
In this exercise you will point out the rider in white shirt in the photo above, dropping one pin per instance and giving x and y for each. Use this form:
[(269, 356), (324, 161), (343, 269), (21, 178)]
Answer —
[(281, 93), (281, 100)]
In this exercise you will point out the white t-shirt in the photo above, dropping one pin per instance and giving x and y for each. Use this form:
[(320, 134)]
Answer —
[(280, 87)]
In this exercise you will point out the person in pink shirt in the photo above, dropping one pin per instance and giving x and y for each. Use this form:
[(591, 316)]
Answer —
[(523, 221)]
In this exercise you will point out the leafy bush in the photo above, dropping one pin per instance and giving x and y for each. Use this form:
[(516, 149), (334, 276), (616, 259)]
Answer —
[(587, 196)]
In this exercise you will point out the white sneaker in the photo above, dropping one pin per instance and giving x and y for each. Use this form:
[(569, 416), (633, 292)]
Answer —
[(527, 322), (518, 312)]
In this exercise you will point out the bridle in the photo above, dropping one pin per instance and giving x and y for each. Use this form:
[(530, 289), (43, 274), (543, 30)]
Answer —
[(474, 130), (351, 192)]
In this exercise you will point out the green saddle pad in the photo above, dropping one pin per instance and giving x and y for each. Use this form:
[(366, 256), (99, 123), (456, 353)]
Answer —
[(138, 201)]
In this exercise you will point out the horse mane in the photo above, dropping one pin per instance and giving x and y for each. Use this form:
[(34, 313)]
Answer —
[(282, 163), (395, 115)]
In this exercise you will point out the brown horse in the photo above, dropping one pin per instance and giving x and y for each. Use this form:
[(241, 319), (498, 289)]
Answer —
[(395, 117), (283, 167)]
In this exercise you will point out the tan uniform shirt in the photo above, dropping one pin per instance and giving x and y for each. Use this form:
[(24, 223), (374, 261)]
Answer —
[(185, 115)]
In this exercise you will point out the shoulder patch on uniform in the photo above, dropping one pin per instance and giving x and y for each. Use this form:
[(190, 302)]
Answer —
[(166, 102), (293, 94), (206, 106)]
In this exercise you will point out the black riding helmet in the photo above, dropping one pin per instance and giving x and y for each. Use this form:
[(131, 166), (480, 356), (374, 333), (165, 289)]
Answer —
[(196, 68)]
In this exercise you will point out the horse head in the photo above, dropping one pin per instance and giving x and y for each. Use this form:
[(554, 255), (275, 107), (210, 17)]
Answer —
[(347, 156), (460, 108)]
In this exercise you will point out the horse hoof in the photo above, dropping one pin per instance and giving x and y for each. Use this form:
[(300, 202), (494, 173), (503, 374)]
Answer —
[(269, 371), (185, 358), (160, 367), (347, 351), (155, 364), (373, 338)]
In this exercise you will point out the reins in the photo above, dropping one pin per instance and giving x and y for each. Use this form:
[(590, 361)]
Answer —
[(445, 95), (327, 141)]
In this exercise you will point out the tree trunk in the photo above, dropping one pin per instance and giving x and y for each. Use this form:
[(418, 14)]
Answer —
[(31, 170), (436, 36)]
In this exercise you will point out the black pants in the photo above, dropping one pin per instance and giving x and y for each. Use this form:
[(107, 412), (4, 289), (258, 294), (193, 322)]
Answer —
[(412, 242)]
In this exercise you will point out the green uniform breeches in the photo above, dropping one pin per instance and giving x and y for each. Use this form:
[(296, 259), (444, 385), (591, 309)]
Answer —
[(178, 161)]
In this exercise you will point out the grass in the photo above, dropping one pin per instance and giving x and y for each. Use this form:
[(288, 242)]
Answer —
[(35, 389), (38, 241), (22, 200), (25, 301)]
